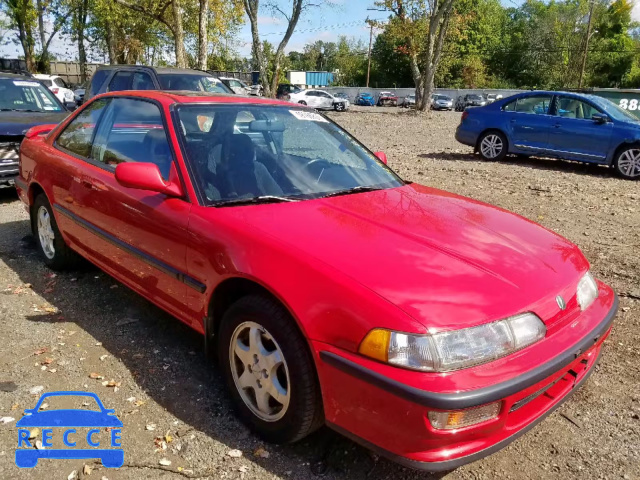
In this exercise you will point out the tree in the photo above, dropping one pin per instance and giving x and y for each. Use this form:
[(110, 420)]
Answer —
[(251, 8), (171, 18), (423, 27), (58, 11), (22, 17)]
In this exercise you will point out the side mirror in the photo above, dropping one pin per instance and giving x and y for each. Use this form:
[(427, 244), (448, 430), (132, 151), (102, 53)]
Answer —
[(600, 118), (71, 106), (382, 157), (146, 176)]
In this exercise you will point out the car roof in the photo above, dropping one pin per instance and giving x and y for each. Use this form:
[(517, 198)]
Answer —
[(158, 70), (169, 97), (15, 76)]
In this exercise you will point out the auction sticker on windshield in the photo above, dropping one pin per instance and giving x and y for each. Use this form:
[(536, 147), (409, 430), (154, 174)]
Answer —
[(309, 116), (81, 428), (22, 83)]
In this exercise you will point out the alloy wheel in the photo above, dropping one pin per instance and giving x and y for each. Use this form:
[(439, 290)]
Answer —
[(629, 163), (260, 371), (45, 233), (491, 146)]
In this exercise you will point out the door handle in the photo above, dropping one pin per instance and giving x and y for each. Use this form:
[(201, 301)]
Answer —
[(557, 125), (87, 184), (513, 120)]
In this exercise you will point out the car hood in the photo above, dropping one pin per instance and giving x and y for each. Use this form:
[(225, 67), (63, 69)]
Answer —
[(69, 418), (17, 123), (446, 260)]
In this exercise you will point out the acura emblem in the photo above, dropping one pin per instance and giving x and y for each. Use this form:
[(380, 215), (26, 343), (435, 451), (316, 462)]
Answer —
[(561, 303)]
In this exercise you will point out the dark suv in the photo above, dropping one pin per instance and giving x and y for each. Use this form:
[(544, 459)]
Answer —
[(24, 103), (115, 78)]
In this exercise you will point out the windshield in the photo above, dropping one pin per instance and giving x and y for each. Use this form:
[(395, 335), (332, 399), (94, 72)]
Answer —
[(249, 151), (475, 97), (442, 97), (28, 96), (192, 83), (616, 112)]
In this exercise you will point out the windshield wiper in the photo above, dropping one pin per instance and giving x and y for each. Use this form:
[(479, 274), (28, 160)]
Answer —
[(353, 190), (255, 200), (18, 110)]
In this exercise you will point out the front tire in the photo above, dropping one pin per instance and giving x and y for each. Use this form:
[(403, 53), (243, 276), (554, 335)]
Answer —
[(627, 163), (269, 370), (54, 251), (493, 146)]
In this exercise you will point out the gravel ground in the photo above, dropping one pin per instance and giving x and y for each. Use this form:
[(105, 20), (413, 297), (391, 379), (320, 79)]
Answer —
[(172, 401)]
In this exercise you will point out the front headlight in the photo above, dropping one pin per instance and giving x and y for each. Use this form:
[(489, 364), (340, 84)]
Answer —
[(587, 291), (456, 349)]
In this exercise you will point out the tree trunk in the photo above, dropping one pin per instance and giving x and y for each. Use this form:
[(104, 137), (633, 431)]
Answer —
[(41, 22), (203, 39), (178, 34), (82, 54), (293, 21), (251, 8), (111, 45)]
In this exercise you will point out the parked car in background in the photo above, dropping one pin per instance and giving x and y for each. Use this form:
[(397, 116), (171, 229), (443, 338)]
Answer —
[(492, 97), (387, 98), (319, 99), (24, 103), (238, 86), (58, 86), (441, 102), (78, 93), (365, 100), (285, 90), (257, 90), (474, 327), (115, 78), (469, 100), (409, 101), (342, 95), (583, 128)]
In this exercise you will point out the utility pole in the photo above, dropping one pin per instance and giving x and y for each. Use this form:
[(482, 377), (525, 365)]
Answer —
[(586, 44), (370, 43)]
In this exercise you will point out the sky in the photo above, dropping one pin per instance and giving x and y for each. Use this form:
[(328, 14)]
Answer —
[(343, 17)]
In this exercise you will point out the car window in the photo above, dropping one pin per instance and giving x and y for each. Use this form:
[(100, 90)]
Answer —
[(77, 136), (120, 81), (27, 95), (60, 82), (192, 82), (535, 104), (325, 95), (568, 107), (132, 131), (97, 80), (48, 82), (142, 81)]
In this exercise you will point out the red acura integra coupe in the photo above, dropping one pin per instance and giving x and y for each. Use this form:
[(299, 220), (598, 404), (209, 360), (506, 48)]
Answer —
[(431, 328)]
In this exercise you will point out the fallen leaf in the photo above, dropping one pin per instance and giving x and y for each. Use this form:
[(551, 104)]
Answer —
[(151, 426), (96, 376), (40, 351), (98, 344), (102, 357), (44, 367), (53, 370), (39, 445), (14, 406), (7, 419), (168, 438), (36, 390), (44, 406), (47, 361), (235, 453), (165, 462), (105, 383), (261, 452), (73, 475), (34, 433), (113, 383), (139, 403), (87, 470), (131, 399), (243, 469)]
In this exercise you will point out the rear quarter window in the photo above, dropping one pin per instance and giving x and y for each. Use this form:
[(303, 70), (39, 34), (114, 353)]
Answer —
[(97, 80)]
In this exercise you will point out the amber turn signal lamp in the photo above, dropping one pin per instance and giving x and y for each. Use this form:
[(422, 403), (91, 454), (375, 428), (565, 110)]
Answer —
[(376, 345)]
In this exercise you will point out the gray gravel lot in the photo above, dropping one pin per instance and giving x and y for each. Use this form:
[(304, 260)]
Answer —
[(172, 401)]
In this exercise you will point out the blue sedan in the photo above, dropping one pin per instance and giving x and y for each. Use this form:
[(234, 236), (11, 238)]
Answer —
[(584, 128)]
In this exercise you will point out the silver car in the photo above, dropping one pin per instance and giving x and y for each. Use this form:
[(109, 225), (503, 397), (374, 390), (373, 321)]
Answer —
[(441, 102), (409, 101)]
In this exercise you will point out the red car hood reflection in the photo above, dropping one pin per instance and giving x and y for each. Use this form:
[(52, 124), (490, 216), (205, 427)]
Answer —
[(448, 261)]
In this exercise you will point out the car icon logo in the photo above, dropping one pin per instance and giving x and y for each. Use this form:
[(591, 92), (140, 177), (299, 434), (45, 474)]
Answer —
[(561, 303), (69, 425)]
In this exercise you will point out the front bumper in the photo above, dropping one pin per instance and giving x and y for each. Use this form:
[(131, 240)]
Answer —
[(389, 416)]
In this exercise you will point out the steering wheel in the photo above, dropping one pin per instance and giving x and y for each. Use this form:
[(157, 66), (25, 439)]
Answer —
[(316, 166)]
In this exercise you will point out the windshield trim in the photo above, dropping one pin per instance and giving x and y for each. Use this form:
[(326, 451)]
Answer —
[(192, 171)]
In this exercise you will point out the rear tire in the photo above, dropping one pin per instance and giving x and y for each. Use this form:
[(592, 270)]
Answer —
[(493, 146), (269, 370), (54, 251), (627, 163)]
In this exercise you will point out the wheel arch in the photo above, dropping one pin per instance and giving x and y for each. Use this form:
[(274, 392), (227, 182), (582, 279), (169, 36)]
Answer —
[(228, 292), (620, 148), (35, 189)]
